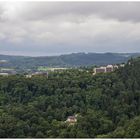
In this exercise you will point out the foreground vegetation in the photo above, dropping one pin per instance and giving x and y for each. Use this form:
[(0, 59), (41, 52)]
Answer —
[(108, 105)]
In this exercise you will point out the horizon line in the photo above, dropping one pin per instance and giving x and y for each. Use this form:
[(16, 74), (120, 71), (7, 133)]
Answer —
[(57, 54)]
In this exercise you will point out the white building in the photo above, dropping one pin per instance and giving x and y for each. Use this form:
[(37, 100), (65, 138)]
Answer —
[(4, 74), (108, 68), (71, 120)]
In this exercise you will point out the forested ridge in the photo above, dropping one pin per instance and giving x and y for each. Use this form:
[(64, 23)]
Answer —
[(108, 105), (67, 60)]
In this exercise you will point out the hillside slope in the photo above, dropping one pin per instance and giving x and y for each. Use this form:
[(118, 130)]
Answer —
[(107, 105)]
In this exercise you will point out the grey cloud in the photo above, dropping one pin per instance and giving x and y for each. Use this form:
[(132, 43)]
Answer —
[(64, 27), (123, 11)]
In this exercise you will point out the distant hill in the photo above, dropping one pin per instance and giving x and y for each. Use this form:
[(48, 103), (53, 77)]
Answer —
[(69, 60)]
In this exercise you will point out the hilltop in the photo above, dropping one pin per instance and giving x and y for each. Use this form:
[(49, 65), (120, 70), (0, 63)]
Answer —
[(69, 60)]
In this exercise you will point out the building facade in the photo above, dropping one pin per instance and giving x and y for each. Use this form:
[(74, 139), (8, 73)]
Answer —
[(107, 69)]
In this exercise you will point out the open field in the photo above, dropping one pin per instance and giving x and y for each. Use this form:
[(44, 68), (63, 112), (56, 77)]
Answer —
[(43, 68)]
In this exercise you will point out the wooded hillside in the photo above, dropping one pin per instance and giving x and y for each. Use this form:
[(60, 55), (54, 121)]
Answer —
[(107, 105)]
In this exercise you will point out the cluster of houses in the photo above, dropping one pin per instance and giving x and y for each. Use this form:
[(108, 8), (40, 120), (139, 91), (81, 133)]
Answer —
[(106, 69), (37, 74), (6, 72), (102, 69)]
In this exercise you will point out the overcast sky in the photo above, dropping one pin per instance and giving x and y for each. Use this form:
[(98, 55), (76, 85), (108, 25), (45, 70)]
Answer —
[(51, 28)]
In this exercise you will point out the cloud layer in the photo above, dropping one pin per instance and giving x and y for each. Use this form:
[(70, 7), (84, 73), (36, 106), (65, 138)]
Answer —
[(47, 28)]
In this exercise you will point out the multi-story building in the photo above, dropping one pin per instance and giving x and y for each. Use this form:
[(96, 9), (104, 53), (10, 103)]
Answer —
[(108, 68), (100, 70)]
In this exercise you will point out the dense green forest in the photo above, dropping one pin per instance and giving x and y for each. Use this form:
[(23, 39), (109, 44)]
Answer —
[(69, 60), (108, 105)]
